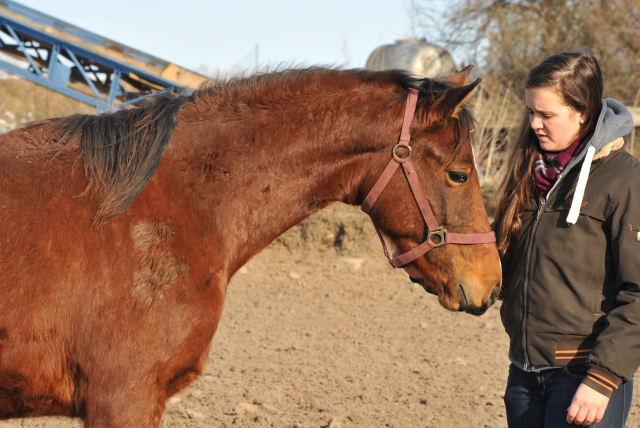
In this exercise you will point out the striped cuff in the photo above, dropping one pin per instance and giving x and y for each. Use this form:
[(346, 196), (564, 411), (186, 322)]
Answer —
[(601, 380)]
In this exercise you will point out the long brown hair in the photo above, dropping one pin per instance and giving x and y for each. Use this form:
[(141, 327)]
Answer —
[(576, 78)]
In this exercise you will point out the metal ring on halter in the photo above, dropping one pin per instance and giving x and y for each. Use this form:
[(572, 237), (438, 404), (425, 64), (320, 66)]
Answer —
[(398, 158), (441, 232)]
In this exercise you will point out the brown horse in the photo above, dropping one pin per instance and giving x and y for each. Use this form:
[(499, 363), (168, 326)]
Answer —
[(120, 232)]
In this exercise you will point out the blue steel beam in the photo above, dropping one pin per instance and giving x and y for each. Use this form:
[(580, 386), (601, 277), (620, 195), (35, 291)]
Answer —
[(142, 98), (84, 74), (75, 51), (88, 36), (51, 85), (24, 50), (50, 60), (115, 86)]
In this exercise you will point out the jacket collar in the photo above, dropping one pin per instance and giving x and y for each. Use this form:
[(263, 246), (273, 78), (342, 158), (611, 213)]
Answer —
[(616, 144)]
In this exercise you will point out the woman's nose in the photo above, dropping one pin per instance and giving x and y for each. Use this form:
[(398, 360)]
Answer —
[(536, 123)]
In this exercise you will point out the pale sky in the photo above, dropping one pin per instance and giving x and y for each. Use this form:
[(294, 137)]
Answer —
[(221, 35)]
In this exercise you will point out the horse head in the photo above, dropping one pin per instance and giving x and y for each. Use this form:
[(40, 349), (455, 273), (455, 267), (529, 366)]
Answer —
[(434, 215)]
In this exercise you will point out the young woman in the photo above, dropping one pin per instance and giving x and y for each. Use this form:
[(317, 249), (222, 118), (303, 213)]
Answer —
[(568, 228)]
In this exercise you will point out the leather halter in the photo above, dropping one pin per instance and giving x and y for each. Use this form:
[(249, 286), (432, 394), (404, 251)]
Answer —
[(443, 237)]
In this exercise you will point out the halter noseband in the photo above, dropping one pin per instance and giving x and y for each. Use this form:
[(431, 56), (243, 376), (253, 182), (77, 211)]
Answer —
[(443, 237)]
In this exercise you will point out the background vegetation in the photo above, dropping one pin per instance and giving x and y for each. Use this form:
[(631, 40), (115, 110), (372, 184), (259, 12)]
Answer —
[(23, 101), (506, 38)]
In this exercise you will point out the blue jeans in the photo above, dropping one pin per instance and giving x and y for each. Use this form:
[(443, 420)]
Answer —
[(541, 400)]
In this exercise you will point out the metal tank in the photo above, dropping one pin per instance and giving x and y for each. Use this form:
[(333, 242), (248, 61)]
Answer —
[(414, 55)]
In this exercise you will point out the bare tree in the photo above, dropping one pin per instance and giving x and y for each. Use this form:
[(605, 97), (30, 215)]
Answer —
[(507, 37)]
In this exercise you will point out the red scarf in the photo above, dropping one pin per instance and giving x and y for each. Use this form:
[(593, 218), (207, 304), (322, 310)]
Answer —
[(549, 164)]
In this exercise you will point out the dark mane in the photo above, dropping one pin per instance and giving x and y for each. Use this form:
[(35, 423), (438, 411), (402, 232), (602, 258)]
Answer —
[(122, 150), (263, 89)]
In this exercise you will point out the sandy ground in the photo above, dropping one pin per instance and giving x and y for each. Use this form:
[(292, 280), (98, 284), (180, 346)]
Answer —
[(319, 331)]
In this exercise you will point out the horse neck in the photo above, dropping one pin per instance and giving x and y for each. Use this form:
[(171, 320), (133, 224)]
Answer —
[(261, 174)]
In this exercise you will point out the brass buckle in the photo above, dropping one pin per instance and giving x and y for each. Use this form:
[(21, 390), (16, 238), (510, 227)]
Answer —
[(441, 233)]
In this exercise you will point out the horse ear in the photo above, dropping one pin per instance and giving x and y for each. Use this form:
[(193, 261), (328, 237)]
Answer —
[(460, 78), (456, 97)]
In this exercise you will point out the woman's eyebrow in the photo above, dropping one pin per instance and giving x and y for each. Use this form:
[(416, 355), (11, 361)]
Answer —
[(539, 111)]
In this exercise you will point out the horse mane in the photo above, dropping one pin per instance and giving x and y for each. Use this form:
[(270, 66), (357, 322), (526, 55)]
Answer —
[(281, 85), (122, 150)]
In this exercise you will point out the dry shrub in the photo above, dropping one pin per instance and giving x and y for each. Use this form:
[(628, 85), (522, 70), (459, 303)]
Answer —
[(23, 101), (498, 112)]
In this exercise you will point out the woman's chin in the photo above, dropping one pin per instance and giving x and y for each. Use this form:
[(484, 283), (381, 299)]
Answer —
[(547, 145)]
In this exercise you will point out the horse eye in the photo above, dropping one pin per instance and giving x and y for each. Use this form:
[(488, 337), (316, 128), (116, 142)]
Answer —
[(457, 176)]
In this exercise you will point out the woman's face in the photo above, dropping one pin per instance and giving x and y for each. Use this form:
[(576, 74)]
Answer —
[(556, 125)]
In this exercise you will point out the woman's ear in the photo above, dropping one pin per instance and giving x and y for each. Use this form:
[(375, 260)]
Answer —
[(584, 118)]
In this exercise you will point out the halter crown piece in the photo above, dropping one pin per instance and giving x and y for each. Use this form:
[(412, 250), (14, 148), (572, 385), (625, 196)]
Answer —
[(443, 237)]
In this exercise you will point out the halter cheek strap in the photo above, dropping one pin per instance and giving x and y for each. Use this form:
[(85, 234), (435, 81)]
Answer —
[(437, 236)]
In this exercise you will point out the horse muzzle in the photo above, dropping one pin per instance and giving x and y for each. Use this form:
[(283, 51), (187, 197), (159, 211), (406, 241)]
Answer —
[(463, 296), (466, 304)]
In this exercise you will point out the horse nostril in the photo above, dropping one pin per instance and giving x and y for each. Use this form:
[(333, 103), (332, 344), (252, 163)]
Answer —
[(496, 292), (464, 303), (493, 298)]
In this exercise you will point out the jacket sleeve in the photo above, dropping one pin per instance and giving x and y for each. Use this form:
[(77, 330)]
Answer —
[(615, 356)]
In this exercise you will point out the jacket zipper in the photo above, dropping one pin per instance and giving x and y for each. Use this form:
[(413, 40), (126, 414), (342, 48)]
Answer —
[(527, 266), (559, 178)]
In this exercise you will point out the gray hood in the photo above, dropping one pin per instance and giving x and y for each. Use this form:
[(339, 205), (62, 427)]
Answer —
[(615, 121)]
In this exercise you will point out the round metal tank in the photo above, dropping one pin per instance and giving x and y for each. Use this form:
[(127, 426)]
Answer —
[(414, 55)]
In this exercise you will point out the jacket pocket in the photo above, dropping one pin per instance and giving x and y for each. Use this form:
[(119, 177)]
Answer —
[(573, 350), (586, 244)]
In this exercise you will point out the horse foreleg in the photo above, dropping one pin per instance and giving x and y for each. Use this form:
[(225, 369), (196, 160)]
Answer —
[(142, 405), (137, 407)]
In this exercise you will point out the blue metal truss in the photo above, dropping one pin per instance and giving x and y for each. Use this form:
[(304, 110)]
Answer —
[(51, 60)]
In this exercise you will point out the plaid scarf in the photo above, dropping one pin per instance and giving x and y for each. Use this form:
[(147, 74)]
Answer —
[(549, 164)]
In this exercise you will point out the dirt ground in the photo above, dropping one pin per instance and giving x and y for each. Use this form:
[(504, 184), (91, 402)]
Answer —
[(319, 331)]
